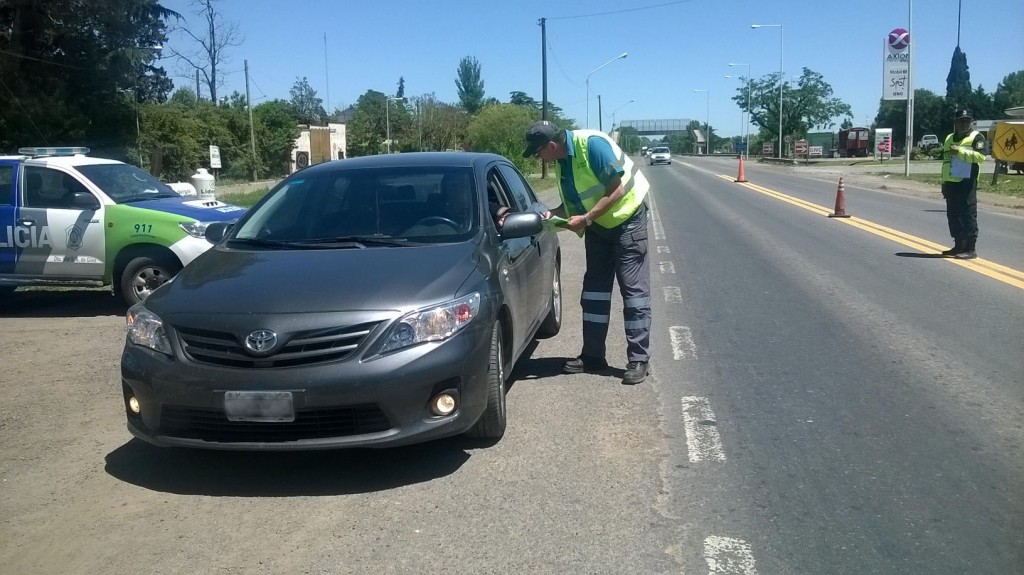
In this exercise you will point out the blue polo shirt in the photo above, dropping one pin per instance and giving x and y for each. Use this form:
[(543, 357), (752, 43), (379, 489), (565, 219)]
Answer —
[(602, 160)]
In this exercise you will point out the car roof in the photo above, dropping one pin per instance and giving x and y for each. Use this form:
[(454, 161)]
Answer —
[(67, 161), (475, 160)]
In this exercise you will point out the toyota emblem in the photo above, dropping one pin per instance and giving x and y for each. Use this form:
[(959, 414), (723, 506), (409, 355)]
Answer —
[(261, 341)]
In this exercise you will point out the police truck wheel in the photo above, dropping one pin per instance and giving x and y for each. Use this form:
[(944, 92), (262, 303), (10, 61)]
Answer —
[(491, 424), (143, 275), (553, 322)]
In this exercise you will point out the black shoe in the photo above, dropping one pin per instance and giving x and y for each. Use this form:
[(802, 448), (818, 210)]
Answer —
[(636, 372), (585, 363), (966, 255), (953, 251)]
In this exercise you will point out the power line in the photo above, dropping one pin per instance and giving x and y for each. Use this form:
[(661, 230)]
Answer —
[(624, 10), (24, 111), (15, 55)]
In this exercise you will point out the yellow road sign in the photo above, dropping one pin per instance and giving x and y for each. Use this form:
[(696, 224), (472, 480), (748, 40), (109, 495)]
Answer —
[(1008, 142)]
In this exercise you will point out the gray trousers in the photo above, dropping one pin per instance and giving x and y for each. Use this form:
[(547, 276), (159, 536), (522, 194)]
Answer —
[(618, 254)]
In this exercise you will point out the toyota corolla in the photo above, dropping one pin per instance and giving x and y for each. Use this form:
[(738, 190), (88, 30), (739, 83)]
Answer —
[(373, 301)]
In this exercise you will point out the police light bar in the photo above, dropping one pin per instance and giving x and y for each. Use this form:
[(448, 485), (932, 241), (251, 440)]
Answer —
[(61, 151)]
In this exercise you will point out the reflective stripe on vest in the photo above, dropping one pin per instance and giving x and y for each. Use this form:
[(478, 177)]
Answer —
[(947, 158), (589, 188)]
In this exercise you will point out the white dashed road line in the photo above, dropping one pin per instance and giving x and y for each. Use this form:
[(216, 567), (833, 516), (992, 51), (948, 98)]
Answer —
[(702, 439), (663, 249), (667, 267), (682, 340), (728, 556), (673, 295)]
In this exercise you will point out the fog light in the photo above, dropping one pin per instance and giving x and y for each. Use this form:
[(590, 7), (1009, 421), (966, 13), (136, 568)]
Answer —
[(133, 404), (443, 404)]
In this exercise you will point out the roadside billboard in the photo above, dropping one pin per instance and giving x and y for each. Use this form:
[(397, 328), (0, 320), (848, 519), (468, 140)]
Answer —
[(896, 65)]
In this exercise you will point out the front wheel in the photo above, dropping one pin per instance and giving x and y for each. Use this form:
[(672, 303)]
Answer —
[(144, 274), (491, 424)]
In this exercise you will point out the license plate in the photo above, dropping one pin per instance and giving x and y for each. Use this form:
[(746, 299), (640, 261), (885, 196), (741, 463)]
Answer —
[(264, 406)]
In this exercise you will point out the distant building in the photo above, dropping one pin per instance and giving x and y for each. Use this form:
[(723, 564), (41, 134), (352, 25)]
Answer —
[(317, 144)]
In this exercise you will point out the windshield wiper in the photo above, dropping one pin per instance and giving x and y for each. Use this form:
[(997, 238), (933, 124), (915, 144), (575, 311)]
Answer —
[(146, 198), (262, 242), (360, 241)]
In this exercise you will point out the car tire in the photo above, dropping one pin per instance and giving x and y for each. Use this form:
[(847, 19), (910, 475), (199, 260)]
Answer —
[(491, 424), (553, 321), (144, 274)]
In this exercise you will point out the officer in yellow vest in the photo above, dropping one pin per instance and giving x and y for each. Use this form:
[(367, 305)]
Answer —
[(962, 155), (602, 193)]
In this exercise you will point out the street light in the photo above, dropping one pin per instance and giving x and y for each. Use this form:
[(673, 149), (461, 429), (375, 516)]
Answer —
[(619, 57), (782, 46), (746, 126), (617, 109), (387, 115), (707, 127)]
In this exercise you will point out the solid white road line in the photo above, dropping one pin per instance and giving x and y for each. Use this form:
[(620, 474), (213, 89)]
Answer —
[(667, 267), (673, 295), (702, 439), (682, 341), (728, 556)]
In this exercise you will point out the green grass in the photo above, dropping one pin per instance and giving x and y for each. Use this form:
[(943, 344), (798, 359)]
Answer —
[(245, 199), (1008, 185)]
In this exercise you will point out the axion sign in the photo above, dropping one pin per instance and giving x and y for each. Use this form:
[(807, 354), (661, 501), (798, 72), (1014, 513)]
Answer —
[(896, 65)]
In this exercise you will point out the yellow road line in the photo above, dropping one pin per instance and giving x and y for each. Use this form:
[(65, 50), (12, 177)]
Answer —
[(1007, 275)]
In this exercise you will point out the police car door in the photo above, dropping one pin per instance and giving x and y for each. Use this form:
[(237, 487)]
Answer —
[(8, 172), (58, 237)]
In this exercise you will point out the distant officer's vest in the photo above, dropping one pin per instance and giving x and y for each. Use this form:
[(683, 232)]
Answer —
[(947, 159), (590, 189)]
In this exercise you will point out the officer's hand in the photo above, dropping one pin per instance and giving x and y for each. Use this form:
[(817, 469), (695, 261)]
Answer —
[(955, 149), (577, 223)]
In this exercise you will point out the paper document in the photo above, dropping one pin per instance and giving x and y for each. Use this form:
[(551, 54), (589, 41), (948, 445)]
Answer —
[(559, 225), (959, 168)]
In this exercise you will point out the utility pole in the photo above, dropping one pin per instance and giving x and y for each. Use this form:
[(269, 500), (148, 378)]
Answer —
[(252, 131), (199, 98), (327, 77), (544, 83), (600, 122)]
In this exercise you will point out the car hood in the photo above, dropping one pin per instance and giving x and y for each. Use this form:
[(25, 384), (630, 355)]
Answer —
[(225, 280), (201, 210)]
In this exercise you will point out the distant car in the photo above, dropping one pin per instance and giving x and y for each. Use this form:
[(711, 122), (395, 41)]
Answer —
[(644, 150), (928, 142), (660, 155), (365, 302), (68, 219)]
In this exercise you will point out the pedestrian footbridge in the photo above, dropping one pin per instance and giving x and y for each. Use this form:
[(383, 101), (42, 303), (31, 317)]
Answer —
[(655, 127)]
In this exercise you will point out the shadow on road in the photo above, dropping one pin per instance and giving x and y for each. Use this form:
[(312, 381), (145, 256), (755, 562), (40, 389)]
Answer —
[(922, 256), (54, 303), (285, 474)]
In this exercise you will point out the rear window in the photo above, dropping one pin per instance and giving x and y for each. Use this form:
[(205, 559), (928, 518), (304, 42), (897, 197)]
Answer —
[(661, 151)]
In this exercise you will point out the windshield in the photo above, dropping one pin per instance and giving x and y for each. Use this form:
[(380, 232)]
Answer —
[(126, 183), (415, 205)]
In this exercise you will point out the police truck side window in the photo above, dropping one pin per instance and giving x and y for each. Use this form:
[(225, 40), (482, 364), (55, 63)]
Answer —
[(6, 187), (43, 188)]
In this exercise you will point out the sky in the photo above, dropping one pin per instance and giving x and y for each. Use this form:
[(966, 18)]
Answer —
[(672, 47)]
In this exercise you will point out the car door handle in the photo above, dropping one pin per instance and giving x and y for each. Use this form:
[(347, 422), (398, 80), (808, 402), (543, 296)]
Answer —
[(26, 222)]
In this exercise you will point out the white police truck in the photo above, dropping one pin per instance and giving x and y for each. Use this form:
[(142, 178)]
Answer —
[(70, 219)]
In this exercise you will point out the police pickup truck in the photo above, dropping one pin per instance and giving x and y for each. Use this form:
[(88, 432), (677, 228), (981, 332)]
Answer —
[(70, 219)]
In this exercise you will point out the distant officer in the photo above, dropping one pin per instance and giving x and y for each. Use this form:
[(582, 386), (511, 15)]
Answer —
[(603, 192), (962, 155)]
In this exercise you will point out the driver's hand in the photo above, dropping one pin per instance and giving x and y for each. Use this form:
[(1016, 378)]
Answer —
[(545, 215)]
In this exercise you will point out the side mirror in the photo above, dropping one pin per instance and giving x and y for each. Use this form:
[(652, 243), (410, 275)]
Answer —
[(85, 201), (521, 225), (216, 231)]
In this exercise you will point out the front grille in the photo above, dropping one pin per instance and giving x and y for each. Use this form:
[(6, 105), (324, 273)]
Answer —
[(213, 425), (301, 348)]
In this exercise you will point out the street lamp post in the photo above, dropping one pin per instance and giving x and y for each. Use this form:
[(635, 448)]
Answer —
[(617, 109), (782, 46), (746, 126), (619, 57), (387, 116), (707, 126)]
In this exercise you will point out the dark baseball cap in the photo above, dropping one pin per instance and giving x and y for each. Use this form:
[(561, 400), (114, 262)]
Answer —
[(539, 134), (964, 115)]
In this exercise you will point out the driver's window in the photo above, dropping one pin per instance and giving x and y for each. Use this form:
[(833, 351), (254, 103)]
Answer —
[(497, 195)]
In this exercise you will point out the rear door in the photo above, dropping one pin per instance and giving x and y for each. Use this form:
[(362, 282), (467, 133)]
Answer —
[(8, 186)]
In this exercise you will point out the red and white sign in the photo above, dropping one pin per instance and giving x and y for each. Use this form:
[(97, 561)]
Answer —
[(800, 147)]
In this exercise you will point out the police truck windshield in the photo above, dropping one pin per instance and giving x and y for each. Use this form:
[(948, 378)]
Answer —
[(125, 183)]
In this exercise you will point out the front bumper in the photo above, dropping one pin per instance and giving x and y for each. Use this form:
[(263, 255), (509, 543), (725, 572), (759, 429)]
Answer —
[(377, 402)]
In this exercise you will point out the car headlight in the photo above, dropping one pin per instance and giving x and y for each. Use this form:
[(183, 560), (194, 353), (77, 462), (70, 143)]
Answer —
[(195, 229), (145, 328), (433, 324)]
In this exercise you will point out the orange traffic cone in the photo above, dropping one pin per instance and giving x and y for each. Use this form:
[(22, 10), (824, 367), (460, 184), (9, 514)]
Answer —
[(741, 178), (840, 201)]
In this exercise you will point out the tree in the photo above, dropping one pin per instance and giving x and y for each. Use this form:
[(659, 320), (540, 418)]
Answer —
[(366, 130), (183, 97), (470, 85), (400, 93), (958, 81), (438, 125), (74, 71), (213, 43), (276, 132), (307, 108), (499, 129), (807, 105), (1009, 93)]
